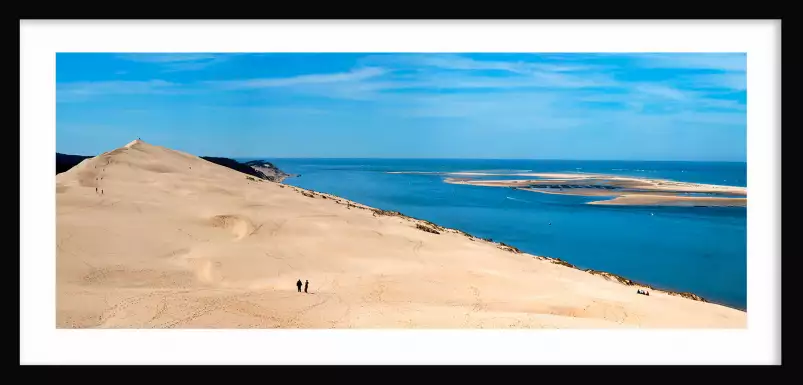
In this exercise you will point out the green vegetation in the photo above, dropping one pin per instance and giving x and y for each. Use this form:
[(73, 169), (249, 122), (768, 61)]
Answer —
[(426, 228), (509, 248)]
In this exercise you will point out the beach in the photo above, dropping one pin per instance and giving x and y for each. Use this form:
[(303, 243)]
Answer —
[(170, 240)]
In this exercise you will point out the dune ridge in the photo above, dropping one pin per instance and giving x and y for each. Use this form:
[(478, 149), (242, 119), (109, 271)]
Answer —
[(170, 240)]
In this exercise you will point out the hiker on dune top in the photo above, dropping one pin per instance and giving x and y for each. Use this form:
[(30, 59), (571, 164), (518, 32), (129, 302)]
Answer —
[(306, 285), (298, 284)]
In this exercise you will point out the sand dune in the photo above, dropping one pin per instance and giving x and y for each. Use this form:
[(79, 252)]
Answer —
[(170, 240)]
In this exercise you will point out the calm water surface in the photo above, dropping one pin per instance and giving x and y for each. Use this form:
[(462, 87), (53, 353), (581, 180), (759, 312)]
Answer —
[(696, 249)]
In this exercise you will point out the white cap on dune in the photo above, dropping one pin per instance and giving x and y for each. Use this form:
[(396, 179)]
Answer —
[(133, 142)]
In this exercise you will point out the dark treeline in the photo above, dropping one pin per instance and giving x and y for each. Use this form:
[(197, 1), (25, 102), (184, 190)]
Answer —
[(65, 162)]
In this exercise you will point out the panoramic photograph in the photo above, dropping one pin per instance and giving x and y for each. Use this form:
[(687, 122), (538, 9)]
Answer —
[(387, 190)]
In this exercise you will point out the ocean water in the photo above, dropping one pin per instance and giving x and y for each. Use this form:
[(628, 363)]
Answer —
[(696, 249)]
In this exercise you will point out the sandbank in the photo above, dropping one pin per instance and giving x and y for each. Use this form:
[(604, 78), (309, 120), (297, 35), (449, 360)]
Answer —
[(624, 190), (672, 200)]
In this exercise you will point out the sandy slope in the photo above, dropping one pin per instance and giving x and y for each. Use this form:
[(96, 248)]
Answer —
[(176, 241)]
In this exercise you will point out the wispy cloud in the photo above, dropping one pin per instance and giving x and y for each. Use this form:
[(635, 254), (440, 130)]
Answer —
[(458, 62), (166, 58), (433, 74), (441, 61), (178, 62), (524, 111), (731, 62), (302, 80), (662, 91), (517, 93), (263, 110), (83, 90), (733, 81)]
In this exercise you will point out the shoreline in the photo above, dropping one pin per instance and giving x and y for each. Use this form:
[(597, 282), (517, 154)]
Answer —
[(618, 190), (425, 225), (649, 199)]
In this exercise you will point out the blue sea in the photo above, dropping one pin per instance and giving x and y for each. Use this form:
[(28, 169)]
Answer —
[(695, 249)]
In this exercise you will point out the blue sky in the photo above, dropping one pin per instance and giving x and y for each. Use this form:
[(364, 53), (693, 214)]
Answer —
[(640, 106)]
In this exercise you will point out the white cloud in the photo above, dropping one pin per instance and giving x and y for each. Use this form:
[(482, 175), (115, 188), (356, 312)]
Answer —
[(732, 62), (442, 61), (662, 91), (454, 62), (713, 118), (370, 83), (269, 110), (166, 58), (116, 87), (178, 61), (81, 90), (732, 81), (346, 77), (422, 85)]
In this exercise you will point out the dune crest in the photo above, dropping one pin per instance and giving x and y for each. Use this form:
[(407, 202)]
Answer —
[(149, 237), (132, 143)]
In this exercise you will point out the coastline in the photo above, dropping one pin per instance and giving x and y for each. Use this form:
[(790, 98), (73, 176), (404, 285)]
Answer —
[(427, 226)]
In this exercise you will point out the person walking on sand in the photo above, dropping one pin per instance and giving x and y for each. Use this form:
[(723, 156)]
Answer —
[(306, 285), (298, 284)]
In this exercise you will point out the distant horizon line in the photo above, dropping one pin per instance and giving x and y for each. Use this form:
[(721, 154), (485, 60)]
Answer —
[(420, 158), (502, 159)]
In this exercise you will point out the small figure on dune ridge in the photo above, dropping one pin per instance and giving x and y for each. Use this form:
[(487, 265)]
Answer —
[(298, 284), (306, 285)]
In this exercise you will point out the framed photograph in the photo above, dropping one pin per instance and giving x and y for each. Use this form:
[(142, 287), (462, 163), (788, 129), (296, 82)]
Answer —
[(582, 185)]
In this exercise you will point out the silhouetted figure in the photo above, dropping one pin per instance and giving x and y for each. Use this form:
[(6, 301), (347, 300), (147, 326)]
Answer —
[(298, 284), (306, 285), (96, 190), (101, 191)]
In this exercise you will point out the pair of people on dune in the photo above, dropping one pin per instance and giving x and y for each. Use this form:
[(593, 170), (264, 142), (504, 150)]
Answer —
[(306, 285)]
